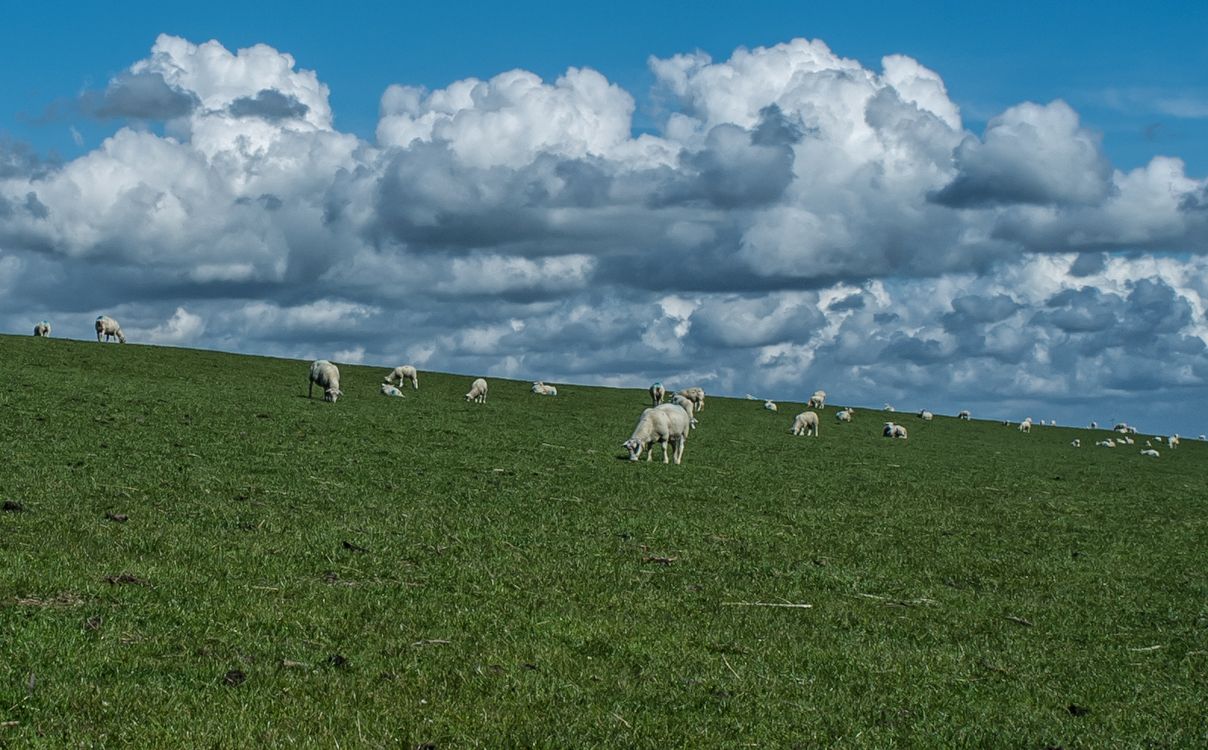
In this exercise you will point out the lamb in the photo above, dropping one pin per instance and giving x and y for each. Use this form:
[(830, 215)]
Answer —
[(657, 394), (770, 406), (478, 391), (42, 328), (1150, 452), (844, 415), (817, 401), (891, 430), (389, 390), (326, 376), (664, 424), (926, 416), (805, 423), (1076, 443), (109, 328), (687, 405), (1026, 425), (541, 389), (1173, 440), (402, 374), (965, 415), (696, 395)]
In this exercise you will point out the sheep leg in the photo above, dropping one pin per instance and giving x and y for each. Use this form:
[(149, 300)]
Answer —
[(664, 442)]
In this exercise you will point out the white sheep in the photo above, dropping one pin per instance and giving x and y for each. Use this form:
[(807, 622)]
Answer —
[(1026, 425), (844, 415), (665, 424), (817, 401), (108, 327), (326, 376), (657, 394), (926, 416), (402, 374), (541, 389), (770, 406), (1094, 425), (805, 423), (687, 405), (1127, 440), (1150, 452), (478, 391), (891, 430), (1076, 443), (964, 414), (42, 328), (389, 390), (887, 407), (1203, 437), (1173, 440), (696, 395), (1108, 443)]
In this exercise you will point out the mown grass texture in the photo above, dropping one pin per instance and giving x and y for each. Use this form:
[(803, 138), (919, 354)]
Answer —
[(395, 572)]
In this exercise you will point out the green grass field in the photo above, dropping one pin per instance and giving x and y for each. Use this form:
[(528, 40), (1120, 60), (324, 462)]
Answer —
[(195, 555)]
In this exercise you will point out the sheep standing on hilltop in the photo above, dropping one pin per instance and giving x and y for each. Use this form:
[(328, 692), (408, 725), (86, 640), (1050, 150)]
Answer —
[(805, 423), (402, 374), (926, 416), (478, 391), (327, 376), (687, 405), (1026, 425), (657, 394), (964, 414), (817, 401), (109, 328), (541, 389), (1173, 440), (665, 424), (696, 395), (42, 328)]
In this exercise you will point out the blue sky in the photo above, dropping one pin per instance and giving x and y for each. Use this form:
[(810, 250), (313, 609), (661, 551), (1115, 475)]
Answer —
[(995, 207)]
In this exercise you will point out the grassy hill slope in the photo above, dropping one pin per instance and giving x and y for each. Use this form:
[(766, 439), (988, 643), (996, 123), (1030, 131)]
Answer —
[(384, 572)]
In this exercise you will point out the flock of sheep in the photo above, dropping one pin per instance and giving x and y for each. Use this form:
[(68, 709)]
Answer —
[(665, 424)]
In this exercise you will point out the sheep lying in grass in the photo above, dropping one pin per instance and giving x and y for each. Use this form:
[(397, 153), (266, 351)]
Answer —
[(665, 424), (805, 423), (1108, 443), (1150, 452), (327, 376), (657, 394), (42, 328), (845, 415), (770, 406), (1127, 440), (696, 395), (964, 414), (478, 391), (109, 328), (402, 374), (389, 390), (541, 389), (1076, 443), (817, 401), (926, 416), (891, 430)]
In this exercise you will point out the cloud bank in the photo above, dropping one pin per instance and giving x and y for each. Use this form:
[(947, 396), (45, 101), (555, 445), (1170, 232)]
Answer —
[(797, 221)]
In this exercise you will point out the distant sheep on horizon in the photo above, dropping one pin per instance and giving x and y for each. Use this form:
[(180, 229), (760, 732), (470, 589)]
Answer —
[(109, 328)]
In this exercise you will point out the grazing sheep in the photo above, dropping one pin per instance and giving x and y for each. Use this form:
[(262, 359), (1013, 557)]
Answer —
[(887, 407), (1026, 425), (1173, 440), (1076, 443), (696, 395), (1094, 425), (664, 424), (541, 389), (108, 327), (1108, 443), (770, 406), (965, 415), (817, 401), (402, 374), (687, 405), (891, 430), (478, 391), (844, 415), (1150, 452), (926, 416), (42, 328), (389, 390), (805, 423), (1203, 437), (657, 394), (326, 376)]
